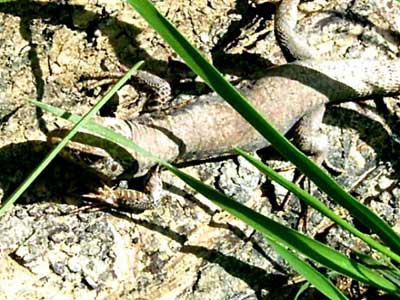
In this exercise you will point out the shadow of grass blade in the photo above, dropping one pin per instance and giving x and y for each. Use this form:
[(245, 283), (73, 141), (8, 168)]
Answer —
[(215, 80), (50, 156)]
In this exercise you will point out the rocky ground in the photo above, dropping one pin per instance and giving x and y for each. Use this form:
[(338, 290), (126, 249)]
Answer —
[(186, 248)]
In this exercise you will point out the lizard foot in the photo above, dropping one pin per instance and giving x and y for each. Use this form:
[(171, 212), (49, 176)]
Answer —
[(131, 200)]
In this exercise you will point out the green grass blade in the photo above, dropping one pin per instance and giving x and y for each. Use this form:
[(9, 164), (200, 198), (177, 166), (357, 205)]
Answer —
[(315, 203), (50, 156), (216, 81), (324, 285), (291, 238), (279, 233)]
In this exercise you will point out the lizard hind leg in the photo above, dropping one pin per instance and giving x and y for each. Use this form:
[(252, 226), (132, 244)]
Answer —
[(308, 137)]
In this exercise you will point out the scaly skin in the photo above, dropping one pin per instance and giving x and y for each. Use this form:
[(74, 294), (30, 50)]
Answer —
[(210, 127), (292, 46)]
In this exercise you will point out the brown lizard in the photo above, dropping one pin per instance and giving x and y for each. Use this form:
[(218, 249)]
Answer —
[(287, 94)]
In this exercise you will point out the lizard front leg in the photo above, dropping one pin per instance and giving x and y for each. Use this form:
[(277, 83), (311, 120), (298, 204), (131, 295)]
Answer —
[(158, 88), (131, 200)]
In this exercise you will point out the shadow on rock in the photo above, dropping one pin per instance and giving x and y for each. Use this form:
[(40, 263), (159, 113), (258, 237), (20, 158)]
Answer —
[(61, 178)]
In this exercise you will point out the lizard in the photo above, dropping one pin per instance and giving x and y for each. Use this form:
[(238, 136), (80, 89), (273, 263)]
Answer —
[(289, 94)]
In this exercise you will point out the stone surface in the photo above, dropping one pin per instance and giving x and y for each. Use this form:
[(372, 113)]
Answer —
[(187, 248)]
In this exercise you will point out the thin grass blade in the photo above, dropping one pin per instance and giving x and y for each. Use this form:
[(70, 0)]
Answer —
[(50, 156)]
